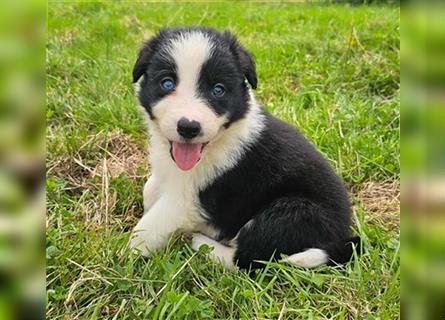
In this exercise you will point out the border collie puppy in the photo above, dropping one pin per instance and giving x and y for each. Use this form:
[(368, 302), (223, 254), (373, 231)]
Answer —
[(242, 181)]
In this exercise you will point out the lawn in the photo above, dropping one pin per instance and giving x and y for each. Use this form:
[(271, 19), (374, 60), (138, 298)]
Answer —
[(332, 71)]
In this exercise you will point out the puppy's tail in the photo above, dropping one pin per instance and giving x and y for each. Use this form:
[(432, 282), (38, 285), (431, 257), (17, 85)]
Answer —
[(334, 253)]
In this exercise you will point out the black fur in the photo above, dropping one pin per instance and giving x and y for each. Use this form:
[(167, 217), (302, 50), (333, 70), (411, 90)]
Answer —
[(295, 199), (223, 68)]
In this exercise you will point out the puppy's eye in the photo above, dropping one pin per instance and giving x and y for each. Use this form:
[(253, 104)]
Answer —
[(167, 84), (218, 90)]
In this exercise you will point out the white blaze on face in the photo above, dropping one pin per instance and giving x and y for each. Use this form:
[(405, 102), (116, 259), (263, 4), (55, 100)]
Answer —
[(189, 51)]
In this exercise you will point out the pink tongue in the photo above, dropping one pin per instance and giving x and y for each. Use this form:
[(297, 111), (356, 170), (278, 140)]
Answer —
[(186, 155)]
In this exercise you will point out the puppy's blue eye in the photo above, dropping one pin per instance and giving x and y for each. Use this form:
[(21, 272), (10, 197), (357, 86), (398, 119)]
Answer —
[(167, 84), (218, 90)]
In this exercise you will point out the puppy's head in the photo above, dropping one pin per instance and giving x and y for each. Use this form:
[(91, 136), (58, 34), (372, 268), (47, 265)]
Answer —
[(192, 83)]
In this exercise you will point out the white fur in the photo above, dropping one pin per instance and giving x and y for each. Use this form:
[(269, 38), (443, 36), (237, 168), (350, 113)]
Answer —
[(310, 258), (220, 253), (151, 192), (190, 51)]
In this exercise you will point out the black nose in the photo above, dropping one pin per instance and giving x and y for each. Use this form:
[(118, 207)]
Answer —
[(188, 129)]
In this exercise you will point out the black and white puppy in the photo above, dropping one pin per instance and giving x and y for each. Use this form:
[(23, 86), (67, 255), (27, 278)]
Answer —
[(245, 183)]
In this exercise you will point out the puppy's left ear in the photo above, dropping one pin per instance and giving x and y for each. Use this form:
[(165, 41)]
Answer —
[(142, 61), (248, 66), (245, 60), (145, 55)]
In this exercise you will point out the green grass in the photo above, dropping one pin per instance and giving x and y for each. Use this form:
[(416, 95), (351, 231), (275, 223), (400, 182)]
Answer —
[(332, 71)]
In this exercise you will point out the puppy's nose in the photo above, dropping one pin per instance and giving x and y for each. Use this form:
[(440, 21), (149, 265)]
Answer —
[(188, 129)]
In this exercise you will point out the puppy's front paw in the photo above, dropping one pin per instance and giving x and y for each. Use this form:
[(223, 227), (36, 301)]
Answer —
[(199, 239), (138, 244)]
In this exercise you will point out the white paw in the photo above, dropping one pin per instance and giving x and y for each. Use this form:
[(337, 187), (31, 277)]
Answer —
[(138, 244), (220, 253), (199, 239)]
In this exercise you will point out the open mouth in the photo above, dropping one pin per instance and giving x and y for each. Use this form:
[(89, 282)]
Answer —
[(186, 155)]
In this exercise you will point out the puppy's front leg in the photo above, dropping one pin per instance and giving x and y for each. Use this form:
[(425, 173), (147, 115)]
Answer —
[(151, 193), (155, 227)]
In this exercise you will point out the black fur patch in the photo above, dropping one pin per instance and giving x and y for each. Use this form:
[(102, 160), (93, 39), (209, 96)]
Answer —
[(295, 199)]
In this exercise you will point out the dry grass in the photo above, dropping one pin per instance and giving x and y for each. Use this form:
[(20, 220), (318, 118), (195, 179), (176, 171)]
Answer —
[(102, 158), (103, 154), (381, 200), (124, 156)]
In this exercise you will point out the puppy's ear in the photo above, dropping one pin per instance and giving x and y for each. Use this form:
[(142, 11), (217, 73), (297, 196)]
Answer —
[(245, 60), (145, 54), (248, 66)]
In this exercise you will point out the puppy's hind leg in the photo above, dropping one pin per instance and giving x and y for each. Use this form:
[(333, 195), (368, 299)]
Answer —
[(297, 227), (221, 253)]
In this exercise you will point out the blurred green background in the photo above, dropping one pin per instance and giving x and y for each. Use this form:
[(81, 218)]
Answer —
[(423, 160), (22, 156)]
